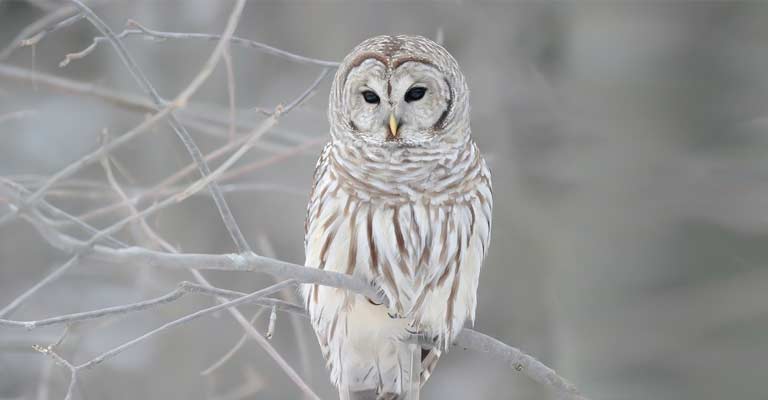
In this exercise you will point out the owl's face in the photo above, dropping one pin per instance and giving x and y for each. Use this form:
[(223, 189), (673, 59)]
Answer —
[(397, 92), (403, 105)]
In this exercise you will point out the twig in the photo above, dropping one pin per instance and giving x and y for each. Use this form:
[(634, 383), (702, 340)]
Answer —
[(227, 304), (519, 361), (50, 351), (253, 384), (162, 187), (229, 354), (39, 28), (303, 96), (18, 301), (231, 95), (17, 192), (194, 116), (154, 34), (35, 39), (124, 100), (302, 341), (272, 322), (183, 289), (252, 139), (71, 191), (142, 223), (88, 159)]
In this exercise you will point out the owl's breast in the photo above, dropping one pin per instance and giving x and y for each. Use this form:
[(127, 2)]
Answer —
[(422, 245)]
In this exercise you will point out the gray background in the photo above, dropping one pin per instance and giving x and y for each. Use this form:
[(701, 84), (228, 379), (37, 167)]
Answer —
[(627, 142)]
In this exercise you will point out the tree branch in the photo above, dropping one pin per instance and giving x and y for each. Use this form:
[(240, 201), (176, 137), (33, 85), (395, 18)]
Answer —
[(160, 35)]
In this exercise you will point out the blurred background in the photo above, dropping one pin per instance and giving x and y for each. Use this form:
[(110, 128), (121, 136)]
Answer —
[(628, 147)]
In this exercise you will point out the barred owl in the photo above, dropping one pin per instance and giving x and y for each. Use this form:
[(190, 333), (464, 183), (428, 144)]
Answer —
[(402, 199)]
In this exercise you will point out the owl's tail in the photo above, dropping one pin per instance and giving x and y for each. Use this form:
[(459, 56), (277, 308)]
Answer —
[(396, 376)]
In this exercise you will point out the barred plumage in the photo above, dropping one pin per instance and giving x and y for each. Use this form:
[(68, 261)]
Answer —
[(408, 211)]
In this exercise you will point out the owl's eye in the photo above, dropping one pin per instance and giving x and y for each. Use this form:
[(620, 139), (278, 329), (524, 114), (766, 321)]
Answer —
[(415, 93), (370, 97)]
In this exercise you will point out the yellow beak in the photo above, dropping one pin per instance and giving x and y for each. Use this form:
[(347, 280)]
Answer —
[(392, 125)]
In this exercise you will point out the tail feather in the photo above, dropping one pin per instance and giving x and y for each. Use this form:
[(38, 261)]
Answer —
[(366, 394), (397, 377), (429, 358)]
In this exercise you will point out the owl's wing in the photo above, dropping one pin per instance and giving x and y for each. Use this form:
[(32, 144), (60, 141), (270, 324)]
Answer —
[(320, 167)]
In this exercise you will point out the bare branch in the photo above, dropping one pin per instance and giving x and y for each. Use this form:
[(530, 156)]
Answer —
[(160, 35), (38, 29), (272, 322), (88, 159), (184, 288), (195, 116), (519, 361), (231, 94), (238, 345), (240, 300), (250, 142), (55, 274), (50, 351), (127, 101)]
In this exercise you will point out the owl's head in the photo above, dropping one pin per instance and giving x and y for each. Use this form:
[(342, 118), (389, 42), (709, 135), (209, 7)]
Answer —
[(399, 91)]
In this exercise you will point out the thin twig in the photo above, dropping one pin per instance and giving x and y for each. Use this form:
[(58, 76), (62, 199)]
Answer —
[(38, 28), (229, 354), (519, 361), (231, 95), (160, 35), (195, 115), (183, 289), (272, 322), (86, 160), (49, 351), (162, 187), (55, 274), (17, 192), (227, 304)]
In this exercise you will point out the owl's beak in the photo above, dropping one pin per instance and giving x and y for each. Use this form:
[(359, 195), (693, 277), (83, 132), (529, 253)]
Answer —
[(392, 125)]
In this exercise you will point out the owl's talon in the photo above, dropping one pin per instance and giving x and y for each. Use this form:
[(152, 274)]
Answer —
[(373, 302)]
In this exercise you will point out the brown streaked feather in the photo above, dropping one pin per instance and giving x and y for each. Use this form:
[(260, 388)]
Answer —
[(371, 245), (352, 256), (400, 242)]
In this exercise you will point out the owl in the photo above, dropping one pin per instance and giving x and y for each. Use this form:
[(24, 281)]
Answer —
[(401, 199)]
